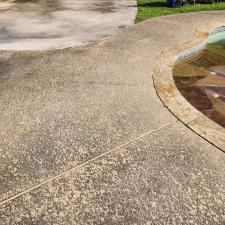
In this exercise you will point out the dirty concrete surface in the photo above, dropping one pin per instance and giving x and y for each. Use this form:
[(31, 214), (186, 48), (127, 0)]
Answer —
[(84, 139)]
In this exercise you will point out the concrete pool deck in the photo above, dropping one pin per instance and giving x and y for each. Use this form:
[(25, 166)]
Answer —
[(84, 138)]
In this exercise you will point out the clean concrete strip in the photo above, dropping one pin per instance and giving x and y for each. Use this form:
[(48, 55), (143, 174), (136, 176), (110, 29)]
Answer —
[(57, 24)]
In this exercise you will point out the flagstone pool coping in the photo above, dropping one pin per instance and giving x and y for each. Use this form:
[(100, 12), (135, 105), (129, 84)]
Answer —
[(173, 99)]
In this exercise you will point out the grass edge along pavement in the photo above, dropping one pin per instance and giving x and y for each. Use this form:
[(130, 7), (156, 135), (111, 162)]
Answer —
[(148, 9)]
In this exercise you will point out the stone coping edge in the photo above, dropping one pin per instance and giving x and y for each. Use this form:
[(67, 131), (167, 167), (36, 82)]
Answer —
[(171, 97)]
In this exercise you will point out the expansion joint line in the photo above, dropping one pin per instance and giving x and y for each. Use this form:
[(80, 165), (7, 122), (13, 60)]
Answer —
[(85, 163)]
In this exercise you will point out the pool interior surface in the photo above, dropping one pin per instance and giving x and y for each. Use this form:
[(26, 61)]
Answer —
[(201, 78)]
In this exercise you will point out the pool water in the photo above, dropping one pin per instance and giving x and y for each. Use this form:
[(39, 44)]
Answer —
[(200, 77)]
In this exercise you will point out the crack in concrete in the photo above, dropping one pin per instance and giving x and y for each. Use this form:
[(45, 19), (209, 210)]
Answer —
[(85, 163)]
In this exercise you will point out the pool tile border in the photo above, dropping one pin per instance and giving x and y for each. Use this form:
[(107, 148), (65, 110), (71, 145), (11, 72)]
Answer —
[(172, 98)]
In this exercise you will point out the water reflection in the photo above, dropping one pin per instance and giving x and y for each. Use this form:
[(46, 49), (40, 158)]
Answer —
[(201, 78)]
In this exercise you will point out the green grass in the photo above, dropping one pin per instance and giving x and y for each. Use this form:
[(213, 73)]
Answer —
[(153, 8)]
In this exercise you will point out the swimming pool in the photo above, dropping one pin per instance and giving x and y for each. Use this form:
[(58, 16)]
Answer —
[(200, 77)]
